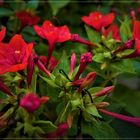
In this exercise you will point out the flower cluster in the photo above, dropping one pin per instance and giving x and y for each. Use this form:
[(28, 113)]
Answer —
[(47, 95)]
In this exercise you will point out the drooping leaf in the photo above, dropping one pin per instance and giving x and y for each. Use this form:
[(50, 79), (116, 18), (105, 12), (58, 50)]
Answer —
[(101, 130), (5, 12), (125, 31), (93, 35), (57, 5)]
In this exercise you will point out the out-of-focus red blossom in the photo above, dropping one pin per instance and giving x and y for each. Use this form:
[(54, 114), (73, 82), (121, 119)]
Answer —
[(98, 21), (84, 60), (2, 33), (61, 130), (1, 2), (44, 99), (114, 30), (30, 102), (136, 35), (133, 14), (133, 120), (104, 91), (53, 35), (14, 56), (52, 63), (27, 18)]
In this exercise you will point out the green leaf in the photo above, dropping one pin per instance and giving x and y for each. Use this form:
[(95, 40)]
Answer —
[(99, 57), (28, 129), (125, 31), (124, 66), (49, 81), (91, 109), (128, 98), (47, 126), (5, 12), (63, 64), (32, 4), (57, 5), (93, 35), (101, 130)]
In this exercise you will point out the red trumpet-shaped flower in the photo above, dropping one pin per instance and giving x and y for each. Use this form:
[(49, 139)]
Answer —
[(114, 30), (84, 60), (2, 33), (53, 35), (14, 56), (136, 30), (133, 120), (97, 20), (27, 18)]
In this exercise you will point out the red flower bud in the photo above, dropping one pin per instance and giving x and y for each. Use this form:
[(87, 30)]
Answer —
[(5, 89), (61, 130), (104, 91), (72, 62), (133, 120), (84, 60)]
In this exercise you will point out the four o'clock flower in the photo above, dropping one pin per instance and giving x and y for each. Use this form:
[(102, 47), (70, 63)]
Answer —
[(53, 35), (84, 60), (14, 56), (2, 33), (133, 120), (114, 30), (98, 21), (26, 18)]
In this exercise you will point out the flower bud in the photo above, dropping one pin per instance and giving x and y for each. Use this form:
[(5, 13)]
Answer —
[(30, 102), (104, 91), (84, 60)]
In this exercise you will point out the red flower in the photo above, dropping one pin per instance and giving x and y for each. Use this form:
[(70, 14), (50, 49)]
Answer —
[(114, 30), (136, 30), (84, 60), (2, 33), (14, 56), (53, 35), (30, 102), (27, 18), (133, 120), (97, 20)]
